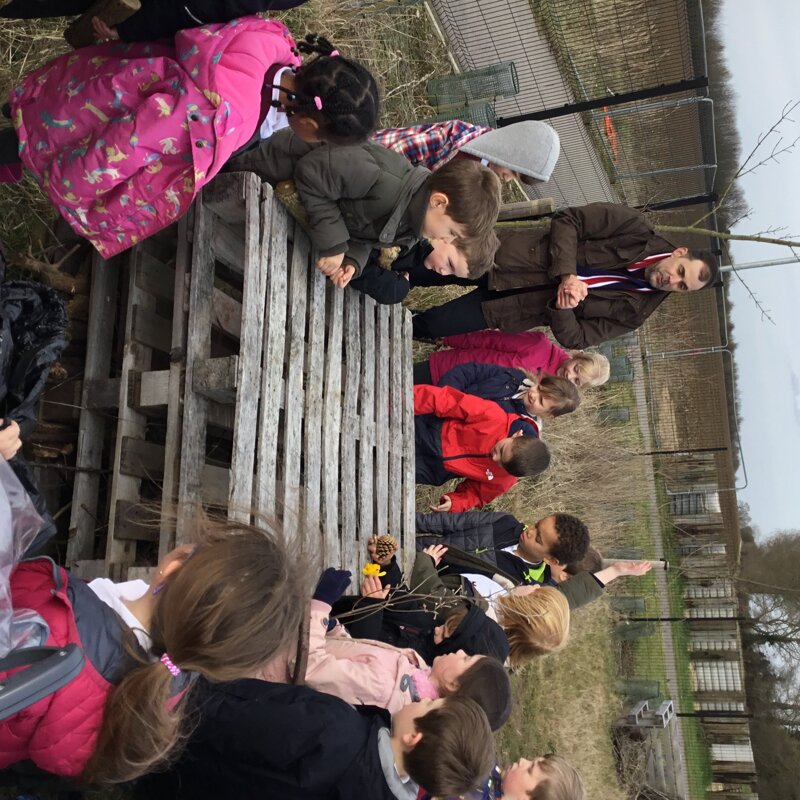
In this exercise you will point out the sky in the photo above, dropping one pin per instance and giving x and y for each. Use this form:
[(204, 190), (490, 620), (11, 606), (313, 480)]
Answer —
[(761, 52)]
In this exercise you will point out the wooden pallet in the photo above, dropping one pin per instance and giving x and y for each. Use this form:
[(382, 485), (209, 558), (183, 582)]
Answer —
[(238, 378)]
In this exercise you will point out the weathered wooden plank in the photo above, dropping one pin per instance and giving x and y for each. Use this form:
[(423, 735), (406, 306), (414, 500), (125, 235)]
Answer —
[(226, 196), (150, 329), (155, 277), (245, 429), (102, 313), (63, 402), (88, 569), (228, 245), (366, 442), (149, 391), (145, 574), (396, 423), (526, 208), (130, 422), (408, 493), (294, 403), (147, 460), (274, 264), (217, 379), (132, 523), (198, 347), (226, 314), (350, 430), (382, 419), (332, 426), (315, 361), (101, 394)]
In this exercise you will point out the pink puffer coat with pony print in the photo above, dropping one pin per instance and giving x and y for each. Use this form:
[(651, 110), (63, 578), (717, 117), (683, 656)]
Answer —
[(123, 136)]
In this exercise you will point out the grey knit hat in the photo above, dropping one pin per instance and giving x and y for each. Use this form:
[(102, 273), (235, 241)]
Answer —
[(530, 148)]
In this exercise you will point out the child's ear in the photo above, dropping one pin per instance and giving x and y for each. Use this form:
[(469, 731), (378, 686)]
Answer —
[(438, 200), (411, 740), (514, 435)]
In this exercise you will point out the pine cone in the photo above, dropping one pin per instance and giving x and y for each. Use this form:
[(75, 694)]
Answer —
[(386, 546)]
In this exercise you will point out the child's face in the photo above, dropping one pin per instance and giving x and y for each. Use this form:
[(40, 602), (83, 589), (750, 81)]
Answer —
[(504, 173), (538, 540), (521, 778), (446, 671), (438, 224), (403, 726), (501, 452), (537, 404), (447, 259), (571, 370)]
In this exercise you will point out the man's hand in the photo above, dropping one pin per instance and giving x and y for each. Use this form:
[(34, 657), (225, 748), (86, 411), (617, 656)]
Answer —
[(371, 587), (330, 265), (445, 504), (10, 442), (436, 552), (103, 32), (571, 291)]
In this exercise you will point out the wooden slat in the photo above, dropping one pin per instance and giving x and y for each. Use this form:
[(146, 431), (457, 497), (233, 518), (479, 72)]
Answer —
[(63, 402), (175, 390), (102, 313), (147, 460), (155, 277), (312, 424), (133, 524), (526, 208), (149, 328), (198, 347), (293, 411), (130, 422), (366, 444), (331, 427), (352, 379), (101, 394), (382, 419), (218, 378), (149, 391), (245, 427), (228, 246), (226, 314), (408, 493), (396, 416), (274, 264)]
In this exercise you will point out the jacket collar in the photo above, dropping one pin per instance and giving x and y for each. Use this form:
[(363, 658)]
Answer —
[(409, 211)]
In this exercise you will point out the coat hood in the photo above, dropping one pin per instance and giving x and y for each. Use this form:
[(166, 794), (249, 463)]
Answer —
[(530, 148)]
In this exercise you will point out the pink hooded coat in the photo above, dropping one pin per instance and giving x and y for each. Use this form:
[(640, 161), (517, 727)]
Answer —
[(122, 136), (360, 671), (529, 350)]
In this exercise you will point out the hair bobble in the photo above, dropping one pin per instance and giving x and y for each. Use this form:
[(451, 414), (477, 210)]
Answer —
[(333, 53), (318, 102), (167, 662)]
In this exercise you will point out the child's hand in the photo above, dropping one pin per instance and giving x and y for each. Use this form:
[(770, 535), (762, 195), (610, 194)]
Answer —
[(445, 504), (521, 591), (103, 32), (329, 265), (10, 442), (343, 276), (371, 587), (436, 552)]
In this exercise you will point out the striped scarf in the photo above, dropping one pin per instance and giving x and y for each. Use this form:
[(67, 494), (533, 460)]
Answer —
[(630, 278)]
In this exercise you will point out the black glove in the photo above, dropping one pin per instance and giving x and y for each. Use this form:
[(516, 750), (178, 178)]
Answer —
[(332, 585)]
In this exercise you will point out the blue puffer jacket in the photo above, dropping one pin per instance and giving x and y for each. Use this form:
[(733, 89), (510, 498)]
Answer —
[(489, 382)]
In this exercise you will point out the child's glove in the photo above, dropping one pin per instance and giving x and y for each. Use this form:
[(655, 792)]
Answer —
[(332, 584)]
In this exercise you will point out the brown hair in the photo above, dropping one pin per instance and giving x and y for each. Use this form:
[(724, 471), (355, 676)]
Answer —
[(487, 683), (536, 624), (479, 253), (561, 392), (454, 619), (529, 457), (473, 195), (232, 607), (594, 367), (709, 273), (456, 752), (591, 562), (561, 782)]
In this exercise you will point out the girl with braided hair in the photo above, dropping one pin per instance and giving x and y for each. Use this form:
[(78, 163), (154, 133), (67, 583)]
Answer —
[(123, 136)]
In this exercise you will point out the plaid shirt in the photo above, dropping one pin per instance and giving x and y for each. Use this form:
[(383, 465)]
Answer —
[(430, 144)]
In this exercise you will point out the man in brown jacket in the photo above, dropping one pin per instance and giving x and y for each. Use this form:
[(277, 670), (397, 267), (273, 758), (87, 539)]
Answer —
[(599, 271)]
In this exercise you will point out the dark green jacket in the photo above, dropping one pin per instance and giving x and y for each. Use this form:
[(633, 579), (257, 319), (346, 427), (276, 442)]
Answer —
[(357, 197), (579, 590)]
